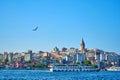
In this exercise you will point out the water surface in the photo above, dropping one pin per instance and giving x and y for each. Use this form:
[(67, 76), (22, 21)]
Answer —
[(46, 75)]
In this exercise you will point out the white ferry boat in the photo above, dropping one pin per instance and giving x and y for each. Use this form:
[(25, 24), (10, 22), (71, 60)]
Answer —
[(60, 68), (113, 69)]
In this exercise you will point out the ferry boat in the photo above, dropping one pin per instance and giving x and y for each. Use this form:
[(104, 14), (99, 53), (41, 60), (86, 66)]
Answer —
[(60, 68), (113, 69)]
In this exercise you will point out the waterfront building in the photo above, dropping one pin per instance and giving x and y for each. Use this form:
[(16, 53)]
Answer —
[(63, 49), (90, 55), (10, 57), (64, 59), (28, 55), (112, 59), (17, 57), (5, 55), (62, 53), (99, 55), (37, 56), (45, 54), (55, 50), (56, 56), (64, 56), (96, 56), (1, 57), (71, 51), (73, 55), (118, 60), (72, 58), (19, 65), (100, 58), (80, 57), (16, 65)]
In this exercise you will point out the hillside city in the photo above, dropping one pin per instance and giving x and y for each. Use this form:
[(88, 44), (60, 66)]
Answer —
[(72, 56)]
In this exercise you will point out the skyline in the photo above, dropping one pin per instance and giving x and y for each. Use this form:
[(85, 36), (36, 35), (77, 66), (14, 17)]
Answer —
[(61, 23)]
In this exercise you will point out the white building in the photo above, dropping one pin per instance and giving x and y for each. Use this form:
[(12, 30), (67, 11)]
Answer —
[(112, 59), (80, 57), (90, 55), (71, 51), (28, 55), (10, 56), (99, 55), (1, 57), (75, 57)]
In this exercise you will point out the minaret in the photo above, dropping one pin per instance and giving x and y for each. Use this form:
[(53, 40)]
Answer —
[(82, 45)]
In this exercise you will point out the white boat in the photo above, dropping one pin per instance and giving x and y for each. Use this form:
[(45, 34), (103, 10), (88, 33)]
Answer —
[(57, 68), (113, 69)]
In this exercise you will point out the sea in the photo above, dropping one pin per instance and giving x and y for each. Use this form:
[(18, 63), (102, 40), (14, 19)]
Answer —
[(47, 75)]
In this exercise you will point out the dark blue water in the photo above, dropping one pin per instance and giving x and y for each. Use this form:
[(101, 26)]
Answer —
[(46, 75)]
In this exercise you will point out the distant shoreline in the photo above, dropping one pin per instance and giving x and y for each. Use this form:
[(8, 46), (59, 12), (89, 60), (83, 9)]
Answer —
[(28, 69)]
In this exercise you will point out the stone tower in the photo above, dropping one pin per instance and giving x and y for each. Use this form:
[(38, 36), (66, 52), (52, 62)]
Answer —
[(82, 45)]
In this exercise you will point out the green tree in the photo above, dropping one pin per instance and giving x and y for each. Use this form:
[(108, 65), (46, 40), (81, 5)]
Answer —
[(6, 61), (87, 63), (30, 61), (45, 59), (33, 65), (57, 60), (77, 62), (39, 65), (94, 66)]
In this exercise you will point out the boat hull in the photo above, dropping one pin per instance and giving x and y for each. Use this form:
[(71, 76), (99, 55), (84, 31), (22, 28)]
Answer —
[(73, 68)]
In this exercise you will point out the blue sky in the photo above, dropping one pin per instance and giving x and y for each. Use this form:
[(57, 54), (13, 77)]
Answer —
[(62, 23)]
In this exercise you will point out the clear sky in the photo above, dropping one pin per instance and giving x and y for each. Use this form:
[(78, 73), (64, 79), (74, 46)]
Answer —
[(61, 23)]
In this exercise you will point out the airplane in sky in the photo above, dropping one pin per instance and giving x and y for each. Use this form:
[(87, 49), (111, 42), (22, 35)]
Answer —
[(35, 29)]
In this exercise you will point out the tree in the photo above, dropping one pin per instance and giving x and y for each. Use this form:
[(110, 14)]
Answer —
[(94, 66), (6, 61), (77, 62), (45, 59), (33, 65), (30, 61), (87, 63), (39, 65), (57, 60)]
